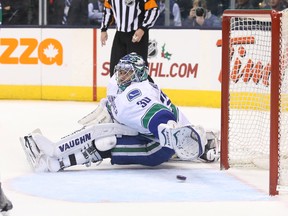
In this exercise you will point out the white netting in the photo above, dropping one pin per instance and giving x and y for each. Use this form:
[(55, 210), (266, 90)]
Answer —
[(283, 134), (249, 93)]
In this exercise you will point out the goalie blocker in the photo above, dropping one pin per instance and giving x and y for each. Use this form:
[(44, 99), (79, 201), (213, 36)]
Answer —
[(190, 142)]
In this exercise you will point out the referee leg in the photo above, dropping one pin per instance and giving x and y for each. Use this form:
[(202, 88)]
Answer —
[(118, 51)]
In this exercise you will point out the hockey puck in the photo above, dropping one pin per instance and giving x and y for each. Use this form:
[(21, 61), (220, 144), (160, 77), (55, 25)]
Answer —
[(181, 177)]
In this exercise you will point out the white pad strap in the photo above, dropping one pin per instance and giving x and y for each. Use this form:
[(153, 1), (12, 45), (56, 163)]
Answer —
[(188, 141)]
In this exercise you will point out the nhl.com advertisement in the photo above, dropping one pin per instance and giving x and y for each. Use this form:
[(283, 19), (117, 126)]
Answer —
[(71, 64), (178, 59)]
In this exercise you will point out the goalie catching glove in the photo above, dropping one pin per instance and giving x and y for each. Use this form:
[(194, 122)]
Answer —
[(98, 116)]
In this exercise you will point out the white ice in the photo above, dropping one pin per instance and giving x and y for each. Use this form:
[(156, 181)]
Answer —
[(122, 190)]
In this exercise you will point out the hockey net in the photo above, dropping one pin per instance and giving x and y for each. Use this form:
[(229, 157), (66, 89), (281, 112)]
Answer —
[(254, 109)]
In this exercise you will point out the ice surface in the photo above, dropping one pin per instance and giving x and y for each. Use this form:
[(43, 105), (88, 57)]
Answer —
[(121, 190)]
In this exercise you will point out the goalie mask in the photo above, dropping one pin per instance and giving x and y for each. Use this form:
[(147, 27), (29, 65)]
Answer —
[(131, 68)]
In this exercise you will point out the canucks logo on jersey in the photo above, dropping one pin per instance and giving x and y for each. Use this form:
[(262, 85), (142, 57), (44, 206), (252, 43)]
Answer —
[(134, 93)]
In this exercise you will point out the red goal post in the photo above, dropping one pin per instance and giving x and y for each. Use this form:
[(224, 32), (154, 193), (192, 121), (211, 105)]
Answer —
[(254, 100)]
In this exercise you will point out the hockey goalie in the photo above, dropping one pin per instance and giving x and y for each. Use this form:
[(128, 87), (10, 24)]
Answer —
[(136, 124)]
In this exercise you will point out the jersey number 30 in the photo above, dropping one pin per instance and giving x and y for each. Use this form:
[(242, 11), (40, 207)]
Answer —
[(144, 102)]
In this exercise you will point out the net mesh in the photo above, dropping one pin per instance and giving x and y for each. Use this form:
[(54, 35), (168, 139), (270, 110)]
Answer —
[(283, 120), (249, 93)]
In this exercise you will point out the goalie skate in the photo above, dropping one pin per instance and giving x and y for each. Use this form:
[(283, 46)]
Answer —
[(35, 157), (212, 148)]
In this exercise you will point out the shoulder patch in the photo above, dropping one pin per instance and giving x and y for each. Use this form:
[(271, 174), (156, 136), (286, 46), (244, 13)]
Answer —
[(134, 93)]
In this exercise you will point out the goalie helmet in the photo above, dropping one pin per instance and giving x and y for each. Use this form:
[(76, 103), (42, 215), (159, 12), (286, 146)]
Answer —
[(131, 68)]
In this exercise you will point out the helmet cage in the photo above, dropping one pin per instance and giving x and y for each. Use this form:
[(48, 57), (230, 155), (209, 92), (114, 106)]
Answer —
[(131, 68), (125, 74)]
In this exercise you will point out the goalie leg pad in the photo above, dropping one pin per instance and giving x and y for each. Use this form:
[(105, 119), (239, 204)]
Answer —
[(86, 156), (40, 162), (78, 139), (187, 141), (40, 151)]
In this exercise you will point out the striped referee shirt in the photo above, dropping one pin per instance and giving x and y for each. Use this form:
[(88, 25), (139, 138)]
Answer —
[(130, 15)]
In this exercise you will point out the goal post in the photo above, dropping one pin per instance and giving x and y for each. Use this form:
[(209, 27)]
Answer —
[(254, 93)]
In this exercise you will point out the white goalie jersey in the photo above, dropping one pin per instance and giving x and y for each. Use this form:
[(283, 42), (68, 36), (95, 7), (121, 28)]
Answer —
[(138, 104)]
